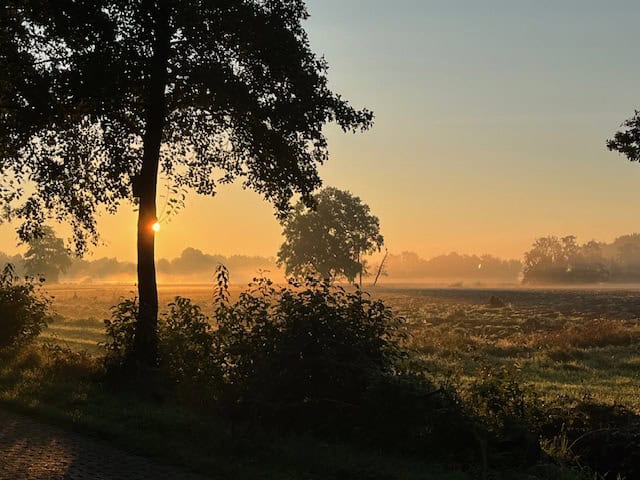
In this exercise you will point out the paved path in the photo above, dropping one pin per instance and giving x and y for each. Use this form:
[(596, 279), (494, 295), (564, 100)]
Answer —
[(30, 450)]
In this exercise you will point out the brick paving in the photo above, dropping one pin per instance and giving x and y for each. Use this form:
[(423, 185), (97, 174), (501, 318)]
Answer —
[(30, 450)]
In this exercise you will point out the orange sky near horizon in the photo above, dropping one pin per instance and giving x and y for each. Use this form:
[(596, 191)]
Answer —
[(490, 131)]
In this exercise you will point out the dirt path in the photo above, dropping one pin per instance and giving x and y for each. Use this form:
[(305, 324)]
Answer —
[(30, 450)]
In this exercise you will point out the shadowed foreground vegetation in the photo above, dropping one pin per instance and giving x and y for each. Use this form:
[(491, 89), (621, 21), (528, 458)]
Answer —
[(311, 381)]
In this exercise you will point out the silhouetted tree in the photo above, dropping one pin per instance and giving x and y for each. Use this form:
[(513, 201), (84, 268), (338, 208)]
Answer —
[(545, 262), (627, 140), (47, 256), (624, 255), (97, 97), (332, 238), (554, 260)]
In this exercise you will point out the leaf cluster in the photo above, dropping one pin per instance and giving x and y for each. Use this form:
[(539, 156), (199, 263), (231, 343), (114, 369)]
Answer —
[(627, 140), (331, 238), (24, 309), (306, 346)]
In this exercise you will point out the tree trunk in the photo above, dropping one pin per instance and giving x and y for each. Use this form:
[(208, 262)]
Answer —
[(381, 267), (145, 351)]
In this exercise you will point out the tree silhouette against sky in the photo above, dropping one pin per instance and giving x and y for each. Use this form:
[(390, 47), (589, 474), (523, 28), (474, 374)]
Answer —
[(100, 97), (47, 256), (626, 141), (331, 239)]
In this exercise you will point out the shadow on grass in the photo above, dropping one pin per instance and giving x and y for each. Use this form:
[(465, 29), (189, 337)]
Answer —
[(34, 382)]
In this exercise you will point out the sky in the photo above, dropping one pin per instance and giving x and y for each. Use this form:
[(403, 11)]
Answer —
[(491, 123)]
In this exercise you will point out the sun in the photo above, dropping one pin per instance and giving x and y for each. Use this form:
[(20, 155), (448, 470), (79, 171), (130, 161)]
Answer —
[(156, 227)]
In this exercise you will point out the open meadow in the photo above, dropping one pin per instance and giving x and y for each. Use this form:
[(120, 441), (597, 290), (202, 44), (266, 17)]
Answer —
[(581, 343), (516, 383)]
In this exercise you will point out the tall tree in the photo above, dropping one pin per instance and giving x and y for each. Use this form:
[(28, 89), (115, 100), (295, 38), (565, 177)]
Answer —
[(47, 256), (332, 238), (97, 97)]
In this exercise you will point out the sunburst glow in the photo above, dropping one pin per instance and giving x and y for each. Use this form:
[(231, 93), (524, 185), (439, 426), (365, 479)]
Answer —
[(156, 227)]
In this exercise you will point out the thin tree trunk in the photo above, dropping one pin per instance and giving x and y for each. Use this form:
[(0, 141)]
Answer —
[(381, 267), (146, 337)]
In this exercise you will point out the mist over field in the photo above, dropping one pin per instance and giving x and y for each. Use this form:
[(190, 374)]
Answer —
[(195, 266), (551, 261)]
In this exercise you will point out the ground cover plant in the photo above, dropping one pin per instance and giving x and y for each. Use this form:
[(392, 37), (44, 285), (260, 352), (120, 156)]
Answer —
[(509, 384)]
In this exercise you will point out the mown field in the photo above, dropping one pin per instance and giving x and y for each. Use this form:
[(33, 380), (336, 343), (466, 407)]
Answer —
[(583, 343)]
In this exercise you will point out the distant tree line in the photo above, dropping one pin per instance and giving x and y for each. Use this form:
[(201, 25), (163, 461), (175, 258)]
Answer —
[(192, 264), (565, 261), (453, 267), (551, 260)]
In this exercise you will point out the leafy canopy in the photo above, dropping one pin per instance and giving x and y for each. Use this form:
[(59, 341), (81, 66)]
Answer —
[(331, 238), (627, 140), (245, 98), (563, 260), (47, 256), (25, 309)]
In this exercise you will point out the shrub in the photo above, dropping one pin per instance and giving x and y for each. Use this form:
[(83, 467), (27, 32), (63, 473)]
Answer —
[(187, 355), (307, 352), (62, 362), (24, 310), (317, 358), (510, 413), (606, 438), (120, 333), (187, 363), (418, 417)]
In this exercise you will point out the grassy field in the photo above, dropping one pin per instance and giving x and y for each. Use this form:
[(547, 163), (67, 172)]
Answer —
[(581, 343), (575, 342)]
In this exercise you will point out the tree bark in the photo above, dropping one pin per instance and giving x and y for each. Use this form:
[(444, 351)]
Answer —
[(145, 349)]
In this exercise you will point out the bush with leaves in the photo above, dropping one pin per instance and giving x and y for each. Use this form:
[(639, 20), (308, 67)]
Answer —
[(24, 309), (421, 418), (318, 358), (120, 333), (510, 413), (187, 355), (605, 438), (305, 352)]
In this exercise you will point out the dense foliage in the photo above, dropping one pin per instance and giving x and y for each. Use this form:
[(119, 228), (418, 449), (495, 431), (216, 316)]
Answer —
[(332, 238), (24, 310), (305, 346), (120, 330), (627, 140), (313, 357), (47, 256), (306, 353), (189, 354), (553, 260), (238, 94)]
